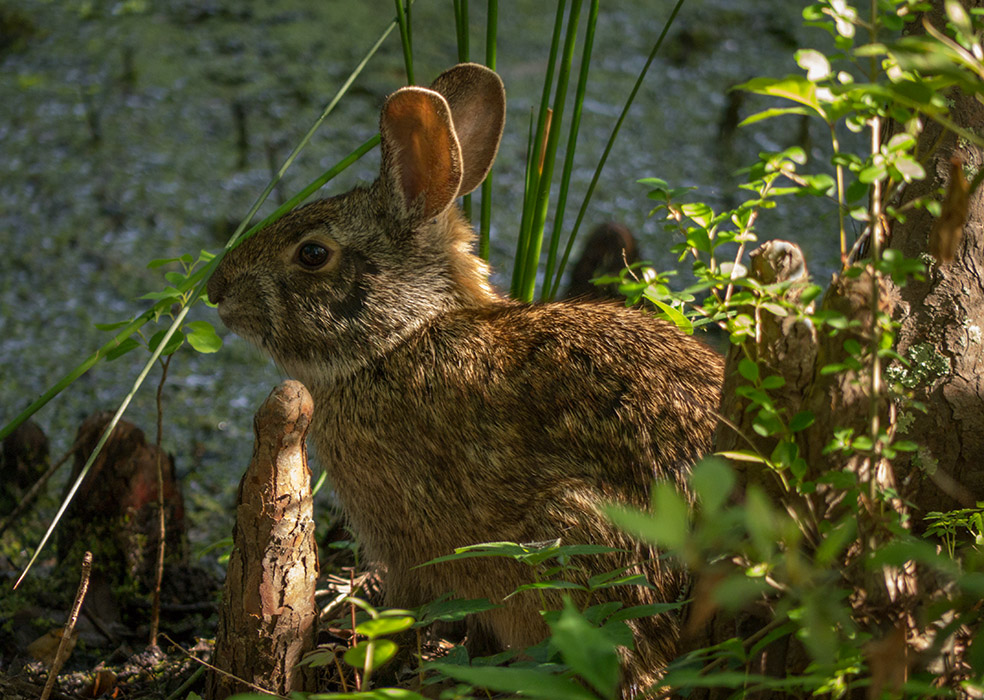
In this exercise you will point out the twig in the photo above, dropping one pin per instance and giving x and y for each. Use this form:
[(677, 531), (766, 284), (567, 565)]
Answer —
[(155, 610), (63, 645), (338, 666), (209, 666), (358, 679), (183, 688)]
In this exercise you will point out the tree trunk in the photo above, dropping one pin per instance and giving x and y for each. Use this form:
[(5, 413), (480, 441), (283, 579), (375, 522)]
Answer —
[(267, 620), (942, 323), (941, 328)]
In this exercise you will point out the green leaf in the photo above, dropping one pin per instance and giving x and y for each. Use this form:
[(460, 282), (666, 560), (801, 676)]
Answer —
[(172, 345), (905, 445), (555, 585), (699, 212), (530, 682), (713, 481), (810, 292), (862, 442), (672, 315), (909, 168), (956, 13), (382, 651), (770, 113), (383, 626), (123, 348), (784, 453), (451, 610), (834, 542), (527, 553), (613, 579), (815, 64), (637, 611), (901, 142), (760, 520), (666, 526), (743, 456), (374, 694), (110, 326), (161, 262), (792, 87), (175, 278), (586, 650), (166, 293), (773, 381), (748, 369), (873, 173), (202, 337), (775, 309), (801, 421)]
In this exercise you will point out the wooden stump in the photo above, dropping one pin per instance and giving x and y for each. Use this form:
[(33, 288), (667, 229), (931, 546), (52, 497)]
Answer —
[(115, 511), (267, 620)]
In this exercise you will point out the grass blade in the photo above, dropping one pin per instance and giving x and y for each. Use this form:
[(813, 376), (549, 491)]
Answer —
[(461, 30), (549, 291), (403, 19), (485, 224), (608, 146), (534, 152), (553, 137)]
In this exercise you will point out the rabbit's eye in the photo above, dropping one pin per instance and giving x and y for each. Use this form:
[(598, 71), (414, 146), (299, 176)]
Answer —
[(313, 255)]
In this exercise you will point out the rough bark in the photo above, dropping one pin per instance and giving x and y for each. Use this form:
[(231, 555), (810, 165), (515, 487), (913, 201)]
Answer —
[(23, 459), (267, 620), (114, 513), (942, 322)]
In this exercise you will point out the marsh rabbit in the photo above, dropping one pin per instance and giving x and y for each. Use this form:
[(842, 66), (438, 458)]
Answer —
[(447, 415)]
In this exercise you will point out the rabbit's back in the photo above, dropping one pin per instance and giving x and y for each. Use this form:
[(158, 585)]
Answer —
[(515, 423)]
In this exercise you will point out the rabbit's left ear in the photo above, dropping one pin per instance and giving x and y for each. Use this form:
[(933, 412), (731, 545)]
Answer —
[(478, 110), (421, 159)]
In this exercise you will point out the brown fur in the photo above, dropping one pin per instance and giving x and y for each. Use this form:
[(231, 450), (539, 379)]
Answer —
[(447, 415)]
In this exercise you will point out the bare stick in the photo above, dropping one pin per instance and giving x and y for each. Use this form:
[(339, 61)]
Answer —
[(64, 647), (155, 609), (206, 664)]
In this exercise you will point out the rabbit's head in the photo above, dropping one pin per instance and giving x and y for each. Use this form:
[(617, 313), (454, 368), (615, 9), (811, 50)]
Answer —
[(345, 279)]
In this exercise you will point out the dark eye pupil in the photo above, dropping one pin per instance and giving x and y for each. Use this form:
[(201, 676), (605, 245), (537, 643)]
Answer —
[(313, 255)]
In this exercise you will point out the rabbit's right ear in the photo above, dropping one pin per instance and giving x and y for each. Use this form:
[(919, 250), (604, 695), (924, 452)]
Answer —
[(478, 108), (421, 159)]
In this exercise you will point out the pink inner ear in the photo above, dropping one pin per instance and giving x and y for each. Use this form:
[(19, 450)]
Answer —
[(423, 150)]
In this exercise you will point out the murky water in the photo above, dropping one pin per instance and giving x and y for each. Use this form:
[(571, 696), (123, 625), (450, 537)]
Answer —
[(133, 130)]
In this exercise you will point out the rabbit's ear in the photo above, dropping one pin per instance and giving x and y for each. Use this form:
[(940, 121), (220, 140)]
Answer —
[(421, 158), (478, 109)]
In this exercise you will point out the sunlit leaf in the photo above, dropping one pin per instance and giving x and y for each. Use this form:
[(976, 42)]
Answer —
[(748, 369), (530, 682), (586, 650), (672, 315), (713, 481), (815, 64), (770, 113), (383, 626), (792, 87), (382, 651)]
